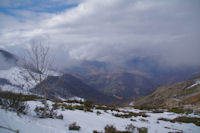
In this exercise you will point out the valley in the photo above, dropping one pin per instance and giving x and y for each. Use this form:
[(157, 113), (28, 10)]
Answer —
[(96, 101)]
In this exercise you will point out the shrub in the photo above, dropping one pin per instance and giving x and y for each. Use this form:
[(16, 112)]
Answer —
[(78, 107), (185, 119), (176, 110), (157, 111), (144, 107), (130, 114), (143, 120), (102, 108), (56, 106), (30, 97), (13, 102), (57, 101), (132, 120), (105, 108), (8, 95), (95, 131), (124, 132), (123, 115), (74, 101), (164, 119), (188, 111), (88, 104), (46, 112), (142, 130), (40, 112), (59, 117), (131, 128), (88, 110), (74, 126), (110, 129), (68, 107), (98, 112)]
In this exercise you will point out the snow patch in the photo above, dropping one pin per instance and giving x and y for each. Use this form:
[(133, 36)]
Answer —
[(195, 84)]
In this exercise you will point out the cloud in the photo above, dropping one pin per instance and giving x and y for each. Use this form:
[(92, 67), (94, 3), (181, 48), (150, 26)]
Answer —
[(113, 30)]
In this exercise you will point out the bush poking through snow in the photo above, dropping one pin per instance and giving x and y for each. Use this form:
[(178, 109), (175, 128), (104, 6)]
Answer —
[(22, 97), (56, 106), (46, 112), (88, 104), (78, 107), (133, 120), (98, 112), (106, 108), (131, 128), (142, 130), (68, 107), (74, 126), (110, 129), (130, 114), (183, 119), (177, 110), (164, 119), (143, 120), (157, 111), (95, 131), (60, 116), (14, 103), (74, 101)]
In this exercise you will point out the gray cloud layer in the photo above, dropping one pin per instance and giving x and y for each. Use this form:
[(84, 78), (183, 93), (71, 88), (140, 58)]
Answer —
[(113, 30)]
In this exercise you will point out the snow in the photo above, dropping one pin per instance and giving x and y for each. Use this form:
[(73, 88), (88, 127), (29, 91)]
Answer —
[(131, 103), (195, 84), (77, 98), (20, 80), (90, 121)]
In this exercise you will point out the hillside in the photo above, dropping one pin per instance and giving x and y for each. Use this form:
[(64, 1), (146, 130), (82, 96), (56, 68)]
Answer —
[(67, 86), (182, 95)]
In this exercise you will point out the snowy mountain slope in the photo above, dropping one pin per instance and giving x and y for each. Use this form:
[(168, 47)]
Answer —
[(18, 80), (89, 121)]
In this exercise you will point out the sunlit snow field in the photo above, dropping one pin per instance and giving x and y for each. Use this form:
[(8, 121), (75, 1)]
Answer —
[(89, 121)]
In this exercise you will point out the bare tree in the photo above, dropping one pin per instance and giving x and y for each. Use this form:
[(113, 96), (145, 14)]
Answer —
[(38, 61), (37, 64)]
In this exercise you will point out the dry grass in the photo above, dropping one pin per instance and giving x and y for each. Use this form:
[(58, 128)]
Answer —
[(184, 119)]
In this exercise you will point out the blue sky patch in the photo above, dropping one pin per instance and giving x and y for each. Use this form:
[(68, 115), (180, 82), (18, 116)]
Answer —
[(9, 6)]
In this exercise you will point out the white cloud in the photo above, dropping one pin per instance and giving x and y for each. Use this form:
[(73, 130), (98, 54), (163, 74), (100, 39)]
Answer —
[(114, 30)]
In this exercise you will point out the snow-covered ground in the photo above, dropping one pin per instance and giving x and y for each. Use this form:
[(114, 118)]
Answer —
[(89, 121)]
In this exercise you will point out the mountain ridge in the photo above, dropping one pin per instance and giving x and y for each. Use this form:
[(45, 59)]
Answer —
[(67, 86), (178, 95)]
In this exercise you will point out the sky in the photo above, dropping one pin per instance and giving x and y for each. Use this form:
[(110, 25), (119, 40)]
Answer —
[(105, 30)]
